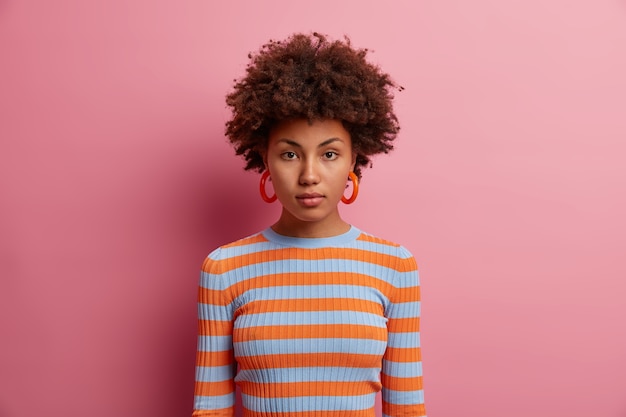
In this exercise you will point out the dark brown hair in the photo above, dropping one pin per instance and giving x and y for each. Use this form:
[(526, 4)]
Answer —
[(308, 76)]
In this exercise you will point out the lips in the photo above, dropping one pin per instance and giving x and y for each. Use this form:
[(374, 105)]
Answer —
[(310, 199)]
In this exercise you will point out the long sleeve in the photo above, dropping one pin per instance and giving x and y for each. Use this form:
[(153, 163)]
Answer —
[(215, 364), (302, 326), (402, 363)]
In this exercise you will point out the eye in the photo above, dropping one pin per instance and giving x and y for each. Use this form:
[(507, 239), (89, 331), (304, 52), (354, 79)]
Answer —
[(289, 155), (330, 155)]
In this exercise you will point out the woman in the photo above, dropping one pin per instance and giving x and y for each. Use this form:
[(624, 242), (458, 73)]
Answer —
[(310, 317)]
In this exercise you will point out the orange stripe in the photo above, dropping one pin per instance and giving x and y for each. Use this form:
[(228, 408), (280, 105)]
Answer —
[(406, 295), (417, 410), (353, 360), (403, 355), (222, 412), (310, 331), (214, 358), (247, 241), (214, 328), (314, 278), (357, 413), (304, 389), (311, 304), (208, 296), (402, 295), (369, 238), (310, 278), (401, 384), (405, 325), (313, 254), (214, 388)]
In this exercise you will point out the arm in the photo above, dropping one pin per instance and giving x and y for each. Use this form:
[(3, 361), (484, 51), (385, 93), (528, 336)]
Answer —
[(402, 363), (215, 364)]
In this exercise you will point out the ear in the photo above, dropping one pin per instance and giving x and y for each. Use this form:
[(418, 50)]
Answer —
[(265, 161), (263, 153), (354, 155)]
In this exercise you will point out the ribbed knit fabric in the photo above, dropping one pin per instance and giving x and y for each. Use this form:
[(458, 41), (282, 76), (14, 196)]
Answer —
[(309, 327)]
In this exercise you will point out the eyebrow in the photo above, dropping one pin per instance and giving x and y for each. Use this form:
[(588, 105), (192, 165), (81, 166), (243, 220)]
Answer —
[(321, 145)]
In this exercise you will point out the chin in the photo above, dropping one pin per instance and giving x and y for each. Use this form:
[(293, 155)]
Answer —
[(308, 217)]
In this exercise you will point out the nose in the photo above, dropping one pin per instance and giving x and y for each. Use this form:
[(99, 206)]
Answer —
[(309, 173)]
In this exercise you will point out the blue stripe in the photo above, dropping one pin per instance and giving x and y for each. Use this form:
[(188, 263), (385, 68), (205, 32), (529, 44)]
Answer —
[(402, 369), (379, 248), (203, 402), (337, 241), (305, 374), (404, 340), (311, 317), (405, 310), (403, 397), (214, 312), (234, 251), (214, 373), (320, 403), (405, 279), (299, 346), (214, 343), (211, 281), (291, 292)]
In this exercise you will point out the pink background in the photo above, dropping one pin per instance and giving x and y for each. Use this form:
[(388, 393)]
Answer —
[(508, 184)]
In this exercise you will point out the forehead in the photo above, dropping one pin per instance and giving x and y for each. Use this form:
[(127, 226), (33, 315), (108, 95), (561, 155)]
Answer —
[(309, 133)]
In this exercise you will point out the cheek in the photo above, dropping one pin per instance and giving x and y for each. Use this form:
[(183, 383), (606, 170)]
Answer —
[(340, 182), (280, 181)]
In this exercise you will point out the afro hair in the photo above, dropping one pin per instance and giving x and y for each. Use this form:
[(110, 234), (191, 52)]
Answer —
[(308, 76)]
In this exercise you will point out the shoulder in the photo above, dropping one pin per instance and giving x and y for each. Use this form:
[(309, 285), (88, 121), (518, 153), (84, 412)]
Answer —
[(230, 252), (383, 246), (399, 267)]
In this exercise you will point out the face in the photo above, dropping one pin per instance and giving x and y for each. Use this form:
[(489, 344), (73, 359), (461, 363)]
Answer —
[(309, 166)]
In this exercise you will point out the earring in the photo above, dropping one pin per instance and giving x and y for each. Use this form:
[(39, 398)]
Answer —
[(355, 189), (264, 195)]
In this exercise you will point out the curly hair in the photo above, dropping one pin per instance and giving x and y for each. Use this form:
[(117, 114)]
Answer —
[(308, 76)]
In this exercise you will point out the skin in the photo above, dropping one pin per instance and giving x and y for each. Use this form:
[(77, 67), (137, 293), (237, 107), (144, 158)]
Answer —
[(309, 166)]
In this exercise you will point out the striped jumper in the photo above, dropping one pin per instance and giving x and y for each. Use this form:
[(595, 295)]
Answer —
[(309, 327)]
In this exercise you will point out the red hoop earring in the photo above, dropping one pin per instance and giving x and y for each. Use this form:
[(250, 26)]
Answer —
[(264, 195), (355, 189)]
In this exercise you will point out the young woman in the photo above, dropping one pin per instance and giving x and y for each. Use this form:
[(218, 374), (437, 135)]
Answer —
[(310, 317)]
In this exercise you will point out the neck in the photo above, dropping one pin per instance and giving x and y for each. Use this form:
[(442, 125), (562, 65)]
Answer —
[(287, 225)]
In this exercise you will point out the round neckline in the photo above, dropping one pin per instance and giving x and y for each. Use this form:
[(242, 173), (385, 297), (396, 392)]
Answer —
[(311, 242)]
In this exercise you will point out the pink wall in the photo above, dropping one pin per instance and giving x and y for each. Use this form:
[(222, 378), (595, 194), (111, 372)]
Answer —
[(508, 184)]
